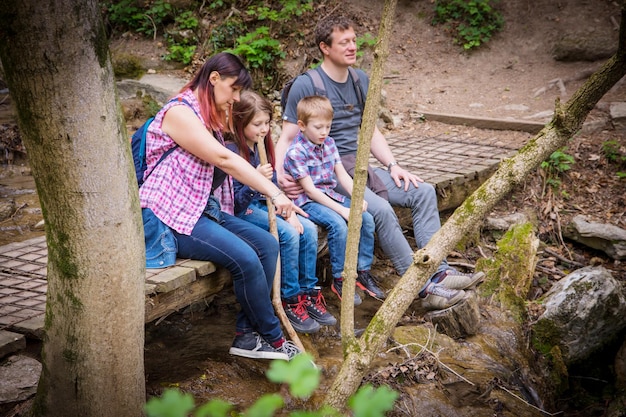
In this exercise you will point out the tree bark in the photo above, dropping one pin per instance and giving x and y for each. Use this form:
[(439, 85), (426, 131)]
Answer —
[(57, 65), (347, 382), (568, 120)]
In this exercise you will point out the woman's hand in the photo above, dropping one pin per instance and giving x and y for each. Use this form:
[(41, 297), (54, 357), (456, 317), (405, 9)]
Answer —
[(285, 207)]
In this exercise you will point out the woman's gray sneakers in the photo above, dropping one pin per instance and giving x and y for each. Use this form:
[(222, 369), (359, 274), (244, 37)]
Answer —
[(252, 345)]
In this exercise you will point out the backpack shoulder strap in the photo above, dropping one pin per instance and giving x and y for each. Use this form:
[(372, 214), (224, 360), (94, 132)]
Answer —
[(318, 83), (320, 90), (142, 148), (357, 84)]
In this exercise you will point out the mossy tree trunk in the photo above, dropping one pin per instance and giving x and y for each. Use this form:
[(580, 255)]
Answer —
[(567, 121), (57, 65)]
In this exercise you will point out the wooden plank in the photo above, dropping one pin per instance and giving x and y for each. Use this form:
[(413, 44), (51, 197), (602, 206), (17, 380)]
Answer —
[(165, 303), (172, 278), (203, 268)]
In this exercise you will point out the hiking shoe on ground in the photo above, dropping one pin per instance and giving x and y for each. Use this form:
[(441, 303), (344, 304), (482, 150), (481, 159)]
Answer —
[(368, 283), (455, 280), (290, 349), (439, 297), (316, 308), (296, 311), (337, 287), (252, 345)]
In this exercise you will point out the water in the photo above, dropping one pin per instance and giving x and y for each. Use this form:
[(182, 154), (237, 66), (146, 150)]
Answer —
[(190, 350)]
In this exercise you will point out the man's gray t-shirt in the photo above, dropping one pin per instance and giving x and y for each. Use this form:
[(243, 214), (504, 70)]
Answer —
[(343, 97)]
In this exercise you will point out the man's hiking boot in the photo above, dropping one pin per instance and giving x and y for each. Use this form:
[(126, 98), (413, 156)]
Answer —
[(316, 307), (367, 282), (337, 287), (455, 280), (439, 297), (296, 311), (290, 349), (252, 345)]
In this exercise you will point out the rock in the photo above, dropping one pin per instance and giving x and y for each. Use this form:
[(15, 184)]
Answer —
[(583, 47), (160, 87), (505, 222), (608, 238), (19, 376), (618, 115), (11, 342), (583, 311)]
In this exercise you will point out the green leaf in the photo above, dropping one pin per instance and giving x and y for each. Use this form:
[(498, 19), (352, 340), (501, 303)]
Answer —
[(370, 402), (300, 373), (214, 408), (172, 403), (265, 406)]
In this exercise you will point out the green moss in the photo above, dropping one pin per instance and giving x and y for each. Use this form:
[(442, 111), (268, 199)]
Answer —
[(127, 66), (559, 374), (60, 255), (74, 301), (100, 43), (515, 305), (505, 281), (70, 355), (545, 336)]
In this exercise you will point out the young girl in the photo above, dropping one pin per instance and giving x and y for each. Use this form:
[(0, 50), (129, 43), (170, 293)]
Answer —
[(199, 170), (302, 299)]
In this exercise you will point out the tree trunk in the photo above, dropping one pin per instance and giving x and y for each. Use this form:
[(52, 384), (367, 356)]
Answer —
[(566, 122), (347, 382), (56, 61)]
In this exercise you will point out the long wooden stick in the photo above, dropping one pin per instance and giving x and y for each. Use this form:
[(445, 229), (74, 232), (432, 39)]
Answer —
[(276, 301)]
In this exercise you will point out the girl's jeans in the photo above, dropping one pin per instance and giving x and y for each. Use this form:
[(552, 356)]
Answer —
[(298, 252), (249, 253), (337, 229)]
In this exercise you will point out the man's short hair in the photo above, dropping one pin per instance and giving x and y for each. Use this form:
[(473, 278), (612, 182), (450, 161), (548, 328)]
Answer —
[(325, 27), (314, 106)]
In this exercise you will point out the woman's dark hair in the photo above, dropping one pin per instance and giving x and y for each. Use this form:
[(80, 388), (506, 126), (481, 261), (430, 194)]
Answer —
[(227, 65), (244, 111)]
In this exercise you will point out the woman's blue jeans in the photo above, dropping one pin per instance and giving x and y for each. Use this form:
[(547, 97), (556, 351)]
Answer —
[(250, 254), (337, 229), (298, 252)]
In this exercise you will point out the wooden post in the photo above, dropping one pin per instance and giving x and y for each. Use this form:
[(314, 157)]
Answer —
[(276, 301)]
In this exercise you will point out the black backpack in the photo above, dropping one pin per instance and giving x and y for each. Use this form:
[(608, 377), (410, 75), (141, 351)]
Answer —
[(318, 85)]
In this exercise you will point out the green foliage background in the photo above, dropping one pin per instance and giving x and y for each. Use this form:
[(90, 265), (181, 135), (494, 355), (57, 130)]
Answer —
[(253, 29)]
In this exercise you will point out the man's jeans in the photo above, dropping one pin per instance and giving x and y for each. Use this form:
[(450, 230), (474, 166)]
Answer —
[(423, 204), (337, 229), (249, 253), (298, 252)]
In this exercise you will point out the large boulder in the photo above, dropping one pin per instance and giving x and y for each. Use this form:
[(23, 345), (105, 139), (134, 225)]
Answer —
[(583, 312)]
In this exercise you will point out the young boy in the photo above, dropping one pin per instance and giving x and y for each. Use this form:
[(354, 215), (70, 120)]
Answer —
[(313, 160)]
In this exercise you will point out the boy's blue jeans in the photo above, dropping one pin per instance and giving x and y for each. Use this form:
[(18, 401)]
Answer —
[(298, 252), (337, 229), (249, 253)]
